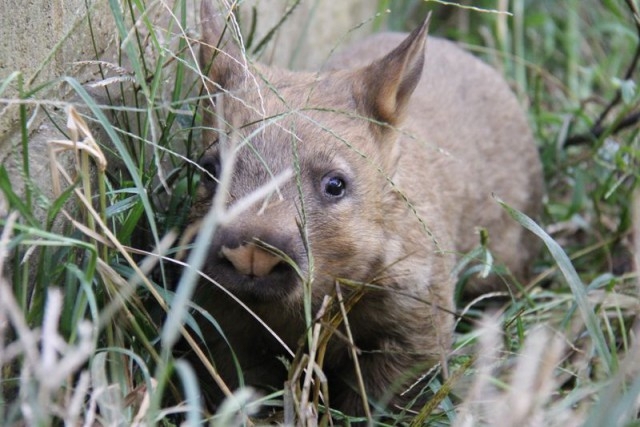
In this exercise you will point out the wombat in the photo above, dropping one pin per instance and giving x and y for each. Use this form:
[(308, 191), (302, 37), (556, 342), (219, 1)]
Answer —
[(395, 158)]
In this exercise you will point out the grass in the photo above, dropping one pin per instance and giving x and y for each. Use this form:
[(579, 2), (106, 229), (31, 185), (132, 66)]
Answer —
[(82, 335)]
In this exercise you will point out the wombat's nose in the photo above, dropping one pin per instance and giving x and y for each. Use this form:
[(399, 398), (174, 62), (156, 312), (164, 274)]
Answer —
[(250, 259)]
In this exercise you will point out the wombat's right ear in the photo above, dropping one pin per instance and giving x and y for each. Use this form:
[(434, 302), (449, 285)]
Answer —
[(220, 57)]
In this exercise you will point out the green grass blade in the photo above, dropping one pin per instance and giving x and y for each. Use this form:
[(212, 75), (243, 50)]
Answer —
[(128, 46), (122, 151), (192, 392), (573, 280), (15, 201), (4, 83), (617, 402)]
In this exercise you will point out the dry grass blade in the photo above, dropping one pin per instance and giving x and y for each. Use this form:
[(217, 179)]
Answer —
[(524, 400), (354, 354), (421, 418)]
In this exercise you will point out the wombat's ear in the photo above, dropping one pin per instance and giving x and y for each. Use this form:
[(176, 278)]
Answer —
[(220, 57), (390, 81)]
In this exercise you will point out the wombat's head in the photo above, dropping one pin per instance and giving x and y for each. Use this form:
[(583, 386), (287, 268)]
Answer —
[(334, 132)]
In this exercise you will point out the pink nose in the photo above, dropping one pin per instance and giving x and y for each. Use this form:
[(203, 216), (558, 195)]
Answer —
[(251, 260)]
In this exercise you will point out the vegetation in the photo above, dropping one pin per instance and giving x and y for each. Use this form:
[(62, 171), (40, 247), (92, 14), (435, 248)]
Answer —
[(91, 280)]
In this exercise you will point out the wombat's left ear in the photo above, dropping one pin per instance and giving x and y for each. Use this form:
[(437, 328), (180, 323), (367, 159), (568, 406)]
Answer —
[(220, 56), (390, 81)]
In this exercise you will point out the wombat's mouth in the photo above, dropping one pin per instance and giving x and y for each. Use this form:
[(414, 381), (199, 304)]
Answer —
[(278, 283)]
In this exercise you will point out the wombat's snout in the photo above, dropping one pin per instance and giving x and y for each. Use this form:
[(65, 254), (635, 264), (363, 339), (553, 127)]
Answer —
[(250, 259), (254, 264)]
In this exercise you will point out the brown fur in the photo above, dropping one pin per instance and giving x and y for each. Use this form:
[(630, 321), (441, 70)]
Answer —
[(420, 150)]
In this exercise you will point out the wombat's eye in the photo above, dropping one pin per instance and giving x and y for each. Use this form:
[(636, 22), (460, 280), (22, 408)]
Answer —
[(333, 186), (211, 170)]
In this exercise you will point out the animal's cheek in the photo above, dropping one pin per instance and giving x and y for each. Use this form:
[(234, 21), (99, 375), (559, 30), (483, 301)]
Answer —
[(346, 248)]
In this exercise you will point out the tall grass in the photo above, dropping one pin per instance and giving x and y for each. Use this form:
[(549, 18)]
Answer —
[(84, 304), (89, 313)]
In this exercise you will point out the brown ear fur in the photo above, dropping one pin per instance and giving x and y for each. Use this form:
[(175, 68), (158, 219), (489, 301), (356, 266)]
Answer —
[(220, 57), (389, 82)]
